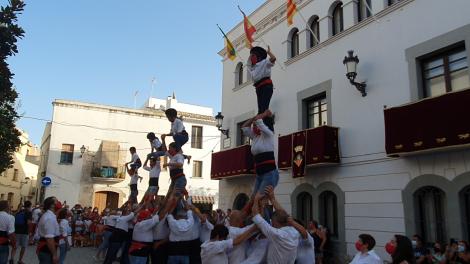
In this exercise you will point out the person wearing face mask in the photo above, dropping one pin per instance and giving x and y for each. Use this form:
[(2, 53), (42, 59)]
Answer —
[(438, 253), (463, 252), (401, 250), (419, 249), (366, 255)]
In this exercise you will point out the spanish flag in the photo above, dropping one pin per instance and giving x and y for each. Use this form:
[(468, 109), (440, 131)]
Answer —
[(249, 29), (231, 53), (291, 10)]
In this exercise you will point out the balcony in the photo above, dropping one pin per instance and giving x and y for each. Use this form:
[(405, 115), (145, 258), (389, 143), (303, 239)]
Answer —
[(232, 163), (101, 174), (319, 147), (430, 125)]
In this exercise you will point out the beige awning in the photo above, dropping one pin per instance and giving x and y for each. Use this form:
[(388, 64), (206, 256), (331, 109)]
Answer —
[(200, 199)]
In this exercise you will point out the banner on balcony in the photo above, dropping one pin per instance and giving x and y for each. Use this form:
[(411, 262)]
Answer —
[(299, 142), (284, 155)]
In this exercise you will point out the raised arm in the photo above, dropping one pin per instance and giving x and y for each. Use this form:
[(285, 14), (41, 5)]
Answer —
[(245, 235), (300, 228), (272, 58), (270, 192), (248, 122)]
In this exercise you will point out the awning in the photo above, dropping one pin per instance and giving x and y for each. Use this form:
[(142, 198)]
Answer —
[(200, 199)]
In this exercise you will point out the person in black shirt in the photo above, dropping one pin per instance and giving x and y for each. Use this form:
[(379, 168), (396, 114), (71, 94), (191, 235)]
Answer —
[(23, 220)]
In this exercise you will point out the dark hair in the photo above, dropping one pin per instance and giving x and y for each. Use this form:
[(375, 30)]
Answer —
[(418, 237), (151, 136), (174, 145), (315, 224), (49, 203), (133, 148), (403, 251), (62, 214), (280, 216), (260, 53), (269, 122), (27, 204), (367, 239), (171, 112), (219, 230), (300, 222), (4, 205)]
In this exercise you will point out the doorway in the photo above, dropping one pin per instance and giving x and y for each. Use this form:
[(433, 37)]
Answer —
[(106, 200)]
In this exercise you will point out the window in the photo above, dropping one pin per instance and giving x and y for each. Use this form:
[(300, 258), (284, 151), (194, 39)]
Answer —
[(10, 198), (15, 175), (242, 139), (362, 11), (329, 212), (337, 19), (315, 27), (66, 156), (197, 169), (294, 43), (304, 207), (466, 209), (391, 2), (196, 137), (317, 111), (445, 72), (239, 74), (430, 214)]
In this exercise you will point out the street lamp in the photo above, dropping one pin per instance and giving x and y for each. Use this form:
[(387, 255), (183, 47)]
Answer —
[(82, 150), (351, 67), (220, 119)]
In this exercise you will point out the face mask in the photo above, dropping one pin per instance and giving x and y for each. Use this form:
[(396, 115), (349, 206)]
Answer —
[(437, 250), (414, 243), (390, 248), (461, 249), (358, 246)]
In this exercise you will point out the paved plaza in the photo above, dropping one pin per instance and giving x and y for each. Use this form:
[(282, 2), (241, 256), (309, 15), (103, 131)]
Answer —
[(75, 256)]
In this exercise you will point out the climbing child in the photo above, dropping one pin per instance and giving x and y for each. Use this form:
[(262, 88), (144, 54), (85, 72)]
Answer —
[(178, 132), (135, 162), (178, 179), (259, 66), (133, 183), (154, 174)]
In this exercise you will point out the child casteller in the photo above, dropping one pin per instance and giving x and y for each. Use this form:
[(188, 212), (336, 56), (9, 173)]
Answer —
[(259, 66)]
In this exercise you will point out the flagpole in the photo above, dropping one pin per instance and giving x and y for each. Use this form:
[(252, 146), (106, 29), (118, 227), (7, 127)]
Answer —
[(308, 27), (370, 10), (152, 86), (238, 55)]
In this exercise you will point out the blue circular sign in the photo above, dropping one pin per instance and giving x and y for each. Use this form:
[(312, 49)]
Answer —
[(46, 181)]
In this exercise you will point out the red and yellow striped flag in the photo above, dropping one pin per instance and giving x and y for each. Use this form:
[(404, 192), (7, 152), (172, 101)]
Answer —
[(291, 10), (249, 29), (231, 53)]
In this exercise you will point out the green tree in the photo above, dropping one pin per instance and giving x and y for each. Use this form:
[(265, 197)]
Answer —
[(10, 32)]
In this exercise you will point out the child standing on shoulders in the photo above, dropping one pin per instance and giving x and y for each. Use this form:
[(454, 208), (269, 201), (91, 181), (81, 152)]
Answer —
[(178, 179), (135, 161), (154, 174), (133, 184), (178, 132), (259, 66)]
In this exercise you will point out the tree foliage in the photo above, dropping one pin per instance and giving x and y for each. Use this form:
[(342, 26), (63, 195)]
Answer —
[(10, 32)]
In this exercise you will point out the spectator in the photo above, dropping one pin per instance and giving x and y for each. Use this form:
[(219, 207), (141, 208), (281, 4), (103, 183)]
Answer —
[(23, 220), (319, 238), (64, 227), (419, 249), (7, 231), (401, 250), (365, 245), (438, 253)]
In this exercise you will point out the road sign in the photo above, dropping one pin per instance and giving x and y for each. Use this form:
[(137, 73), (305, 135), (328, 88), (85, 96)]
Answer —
[(46, 181)]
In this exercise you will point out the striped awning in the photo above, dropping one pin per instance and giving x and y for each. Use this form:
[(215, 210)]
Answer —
[(200, 199)]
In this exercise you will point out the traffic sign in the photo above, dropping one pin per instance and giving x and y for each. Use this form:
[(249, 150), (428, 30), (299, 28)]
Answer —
[(46, 181)]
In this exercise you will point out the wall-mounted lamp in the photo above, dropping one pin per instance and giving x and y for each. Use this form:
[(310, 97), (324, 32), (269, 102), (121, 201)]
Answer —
[(220, 119), (82, 150), (351, 67)]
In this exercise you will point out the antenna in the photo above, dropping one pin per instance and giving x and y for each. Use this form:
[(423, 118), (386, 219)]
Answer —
[(135, 98), (152, 85)]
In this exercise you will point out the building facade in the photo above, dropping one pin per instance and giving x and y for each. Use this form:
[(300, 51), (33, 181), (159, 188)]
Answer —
[(96, 176), (395, 161), (18, 183)]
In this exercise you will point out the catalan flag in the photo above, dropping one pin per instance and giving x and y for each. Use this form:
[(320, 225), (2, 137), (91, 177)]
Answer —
[(231, 53), (291, 10), (249, 29)]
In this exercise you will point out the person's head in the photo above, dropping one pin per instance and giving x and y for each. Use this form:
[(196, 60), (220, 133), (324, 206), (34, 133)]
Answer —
[(269, 122), (62, 214), (151, 136), (279, 219), (173, 148), (400, 249), (257, 54), (236, 218), (171, 114), (27, 205), (132, 150), (417, 241), (153, 161), (462, 246), (95, 210), (437, 247), (50, 203), (220, 232), (180, 213), (365, 243), (229, 211), (4, 206), (313, 225)]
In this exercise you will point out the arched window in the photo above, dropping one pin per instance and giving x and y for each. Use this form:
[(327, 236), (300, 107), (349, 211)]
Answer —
[(337, 19), (430, 213), (239, 74), (465, 203), (293, 42), (304, 207), (240, 201), (315, 27), (329, 212), (362, 10)]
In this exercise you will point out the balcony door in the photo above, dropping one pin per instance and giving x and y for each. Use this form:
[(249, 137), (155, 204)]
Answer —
[(106, 200)]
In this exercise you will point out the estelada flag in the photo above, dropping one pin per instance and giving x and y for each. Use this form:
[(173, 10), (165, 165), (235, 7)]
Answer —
[(291, 10), (231, 53), (249, 29), (299, 141)]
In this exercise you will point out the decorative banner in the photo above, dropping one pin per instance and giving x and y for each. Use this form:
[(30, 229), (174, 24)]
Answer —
[(284, 154), (299, 141)]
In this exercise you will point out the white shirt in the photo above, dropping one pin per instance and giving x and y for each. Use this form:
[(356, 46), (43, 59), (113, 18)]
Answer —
[(123, 221), (177, 126), (256, 251), (161, 230), (36, 212), (7, 222), (260, 70), (48, 227), (110, 220), (143, 229), (367, 258), (238, 253), (205, 232), (156, 143), (134, 178), (283, 241), (153, 172), (177, 158), (263, 142), (196, 229), (180, 230), (63, 228), (306, 251), (214, 252)]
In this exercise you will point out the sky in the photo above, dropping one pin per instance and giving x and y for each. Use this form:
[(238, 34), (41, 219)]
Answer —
[(103, 51)]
